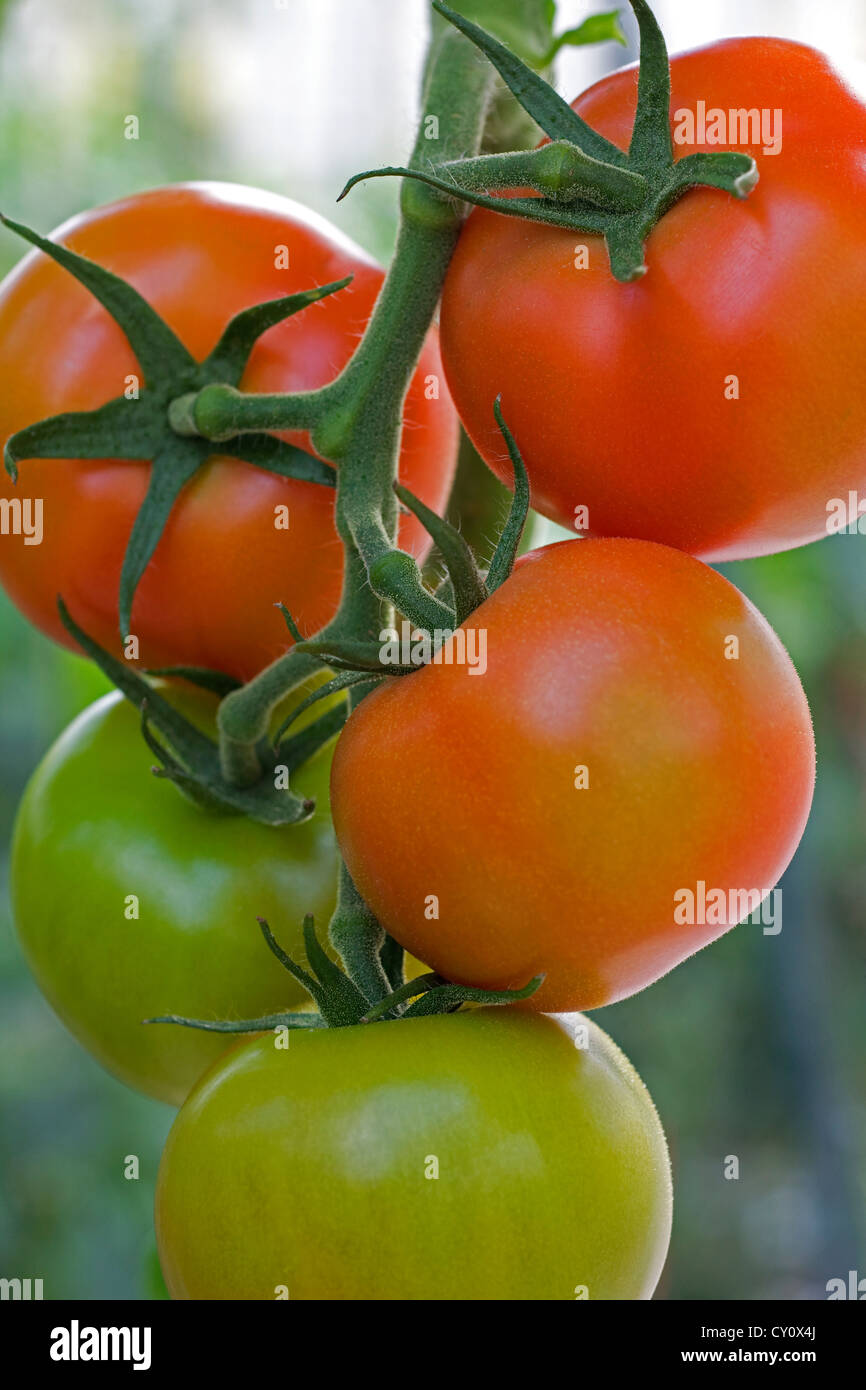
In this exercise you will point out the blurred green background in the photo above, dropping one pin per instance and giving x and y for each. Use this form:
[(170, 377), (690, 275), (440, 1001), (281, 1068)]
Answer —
[(756, 1047)]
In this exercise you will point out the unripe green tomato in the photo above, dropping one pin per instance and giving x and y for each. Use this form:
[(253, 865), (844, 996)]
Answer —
[(132, 902), (492, 1154)]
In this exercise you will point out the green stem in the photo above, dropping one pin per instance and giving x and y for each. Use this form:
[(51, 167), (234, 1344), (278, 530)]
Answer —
[(356, 423), (357, 936), (360, 430), (219, 412)]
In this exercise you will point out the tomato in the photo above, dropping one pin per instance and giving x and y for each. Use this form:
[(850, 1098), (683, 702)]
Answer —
[(639, 731), (718, 403), (199, 253), (481, 1155), (131, 902)]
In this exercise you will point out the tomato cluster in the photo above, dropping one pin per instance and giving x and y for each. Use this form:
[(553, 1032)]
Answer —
[(635, 739)]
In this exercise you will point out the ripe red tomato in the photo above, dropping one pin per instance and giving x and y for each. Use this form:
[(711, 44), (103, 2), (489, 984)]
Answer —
[(503, 1155), (718, 404), (639, 731), (199, 253)]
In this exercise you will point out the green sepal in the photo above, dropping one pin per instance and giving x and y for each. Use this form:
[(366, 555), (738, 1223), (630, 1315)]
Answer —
[(576, 216), (651, 142), (444, 591), (727, 169), (410, 989), (266, 1024), (297, 635), (344, 681), (274, 455), (509, 542), (467, 583), (536, 96), (433, 994), (344, 1004), (393, 958), (338, 999), (230, 356), (169, 767), (557, 170), (102, 433), (190, 758), (217, 682), (172, 467), (159, 351), (298, 748), (444, 999), (303, 977), (352, 656)]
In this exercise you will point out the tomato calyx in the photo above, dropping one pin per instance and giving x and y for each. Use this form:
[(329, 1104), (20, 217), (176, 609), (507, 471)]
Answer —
[(191, 760), (340, 1001), (581, 180), (463, 589), (466, 586), (152, 421)]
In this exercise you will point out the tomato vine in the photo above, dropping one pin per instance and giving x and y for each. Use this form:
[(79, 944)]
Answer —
[(354, 422)]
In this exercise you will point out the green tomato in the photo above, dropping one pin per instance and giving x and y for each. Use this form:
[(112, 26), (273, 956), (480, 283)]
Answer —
[(491, 1154), (132, 902)]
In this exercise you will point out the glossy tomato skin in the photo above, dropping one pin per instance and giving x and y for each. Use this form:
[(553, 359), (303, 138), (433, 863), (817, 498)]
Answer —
[(620, 395), (475, 841), (95, 827), (199, 253), (285, 1168)]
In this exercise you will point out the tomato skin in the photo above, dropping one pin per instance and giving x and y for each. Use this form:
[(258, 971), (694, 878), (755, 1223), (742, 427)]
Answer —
[(603, 654), (288, 1168), (616, 393), (94, 827), (199, 253)]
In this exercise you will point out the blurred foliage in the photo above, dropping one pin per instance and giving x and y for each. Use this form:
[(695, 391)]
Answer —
[(755, 1048)]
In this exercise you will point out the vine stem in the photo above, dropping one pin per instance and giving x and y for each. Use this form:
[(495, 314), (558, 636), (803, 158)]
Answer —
[(356, 420)]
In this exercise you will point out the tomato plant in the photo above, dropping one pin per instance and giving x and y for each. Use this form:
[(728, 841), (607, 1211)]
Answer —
[(715, 404), (481, 1156), (199, 253), (131, 902), (619, 772), (639, 729)]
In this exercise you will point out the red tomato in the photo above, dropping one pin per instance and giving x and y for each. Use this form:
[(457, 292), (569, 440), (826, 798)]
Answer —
[(718, 404), (199, 253), (639, 731)]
